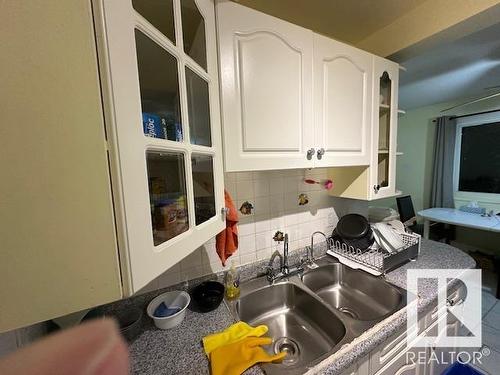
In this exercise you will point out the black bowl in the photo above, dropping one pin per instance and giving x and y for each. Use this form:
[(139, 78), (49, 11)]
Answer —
[(208, 295)]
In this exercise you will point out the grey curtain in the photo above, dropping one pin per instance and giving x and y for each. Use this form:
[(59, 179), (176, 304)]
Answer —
[(444, 151)]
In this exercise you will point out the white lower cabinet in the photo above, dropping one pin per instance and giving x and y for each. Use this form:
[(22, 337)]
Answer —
[(394, 358), (440, 358), (404, 364), (361, 367), (386, 352)]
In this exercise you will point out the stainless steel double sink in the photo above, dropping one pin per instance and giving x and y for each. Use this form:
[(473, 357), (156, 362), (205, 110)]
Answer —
[(313, 314)]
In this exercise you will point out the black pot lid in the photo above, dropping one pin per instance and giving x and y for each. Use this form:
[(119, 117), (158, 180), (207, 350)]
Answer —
[(353, 226)]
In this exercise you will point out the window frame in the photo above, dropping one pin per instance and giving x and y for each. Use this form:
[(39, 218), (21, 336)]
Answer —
[(467, 196)]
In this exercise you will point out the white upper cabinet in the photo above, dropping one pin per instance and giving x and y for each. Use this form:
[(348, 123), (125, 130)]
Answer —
[(160, 82), (266, 83), (290, 98), (384, 129), (377, 179), (342, 103)]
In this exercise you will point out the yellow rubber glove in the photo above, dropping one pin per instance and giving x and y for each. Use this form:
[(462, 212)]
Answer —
[(233, 333), (233, 359)]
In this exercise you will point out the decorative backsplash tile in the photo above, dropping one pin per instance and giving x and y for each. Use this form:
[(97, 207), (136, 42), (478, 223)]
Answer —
[(274, 196)]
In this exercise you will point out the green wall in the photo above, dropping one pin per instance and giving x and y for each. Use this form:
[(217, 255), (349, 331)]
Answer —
[(416, 137)]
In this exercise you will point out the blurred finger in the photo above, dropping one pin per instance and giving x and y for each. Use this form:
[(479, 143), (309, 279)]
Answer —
[(94, 348)]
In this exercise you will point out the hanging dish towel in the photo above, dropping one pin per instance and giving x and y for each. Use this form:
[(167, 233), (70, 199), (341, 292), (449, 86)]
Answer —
[(235, 358), (233, 333), (226, 241)]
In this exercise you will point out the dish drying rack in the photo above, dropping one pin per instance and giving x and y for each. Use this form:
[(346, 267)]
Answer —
[(375, 260)]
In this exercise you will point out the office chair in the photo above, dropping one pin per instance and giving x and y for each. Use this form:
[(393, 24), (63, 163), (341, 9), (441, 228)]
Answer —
[(407, 215)]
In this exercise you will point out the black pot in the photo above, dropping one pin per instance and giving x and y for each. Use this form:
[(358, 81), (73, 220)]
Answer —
[(354, 230)]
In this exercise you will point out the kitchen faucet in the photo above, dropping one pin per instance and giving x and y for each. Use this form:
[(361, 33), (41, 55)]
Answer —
[(285, 269), (310, 250)]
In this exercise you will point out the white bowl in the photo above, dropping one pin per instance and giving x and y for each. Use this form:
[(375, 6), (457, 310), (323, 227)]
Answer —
[(172, 299)]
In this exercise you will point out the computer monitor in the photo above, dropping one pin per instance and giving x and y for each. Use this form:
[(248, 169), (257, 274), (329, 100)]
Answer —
[(405, 208)]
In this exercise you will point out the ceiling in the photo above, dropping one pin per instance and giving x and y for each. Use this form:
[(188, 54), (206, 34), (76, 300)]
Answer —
[(466, 67), (344, 20)]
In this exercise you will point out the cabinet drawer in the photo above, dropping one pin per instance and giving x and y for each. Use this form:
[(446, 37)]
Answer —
[(359, 368), (391, 348), (385, 352), (403, 365)]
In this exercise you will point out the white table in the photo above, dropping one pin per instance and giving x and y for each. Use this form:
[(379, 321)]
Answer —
[(460, 218)]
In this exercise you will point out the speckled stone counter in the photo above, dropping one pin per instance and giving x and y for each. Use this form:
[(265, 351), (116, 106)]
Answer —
[(179, 350)]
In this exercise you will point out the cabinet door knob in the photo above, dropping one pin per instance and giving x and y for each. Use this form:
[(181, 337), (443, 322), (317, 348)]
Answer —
[(320, 153), (310, 153)]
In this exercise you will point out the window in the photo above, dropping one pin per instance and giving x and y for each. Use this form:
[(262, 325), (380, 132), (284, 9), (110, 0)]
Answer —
[(478, 157)]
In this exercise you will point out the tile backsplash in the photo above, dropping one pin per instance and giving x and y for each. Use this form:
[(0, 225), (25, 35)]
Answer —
[(275, 198)]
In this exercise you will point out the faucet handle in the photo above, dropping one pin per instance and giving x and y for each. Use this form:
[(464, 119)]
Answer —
[(270, 274), (307, 258)]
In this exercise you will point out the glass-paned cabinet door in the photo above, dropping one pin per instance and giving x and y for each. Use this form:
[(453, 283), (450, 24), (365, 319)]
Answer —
[(198, 109), (159, 88), (167, 195), (159, 13), (385, 120), (159, 63), (203, 183), (193, 32), (384, 130)]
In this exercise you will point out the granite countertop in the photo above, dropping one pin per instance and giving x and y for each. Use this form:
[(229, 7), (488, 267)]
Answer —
[(179, 350)]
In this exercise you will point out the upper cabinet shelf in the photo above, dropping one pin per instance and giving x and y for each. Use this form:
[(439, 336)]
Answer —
[(290, 98)]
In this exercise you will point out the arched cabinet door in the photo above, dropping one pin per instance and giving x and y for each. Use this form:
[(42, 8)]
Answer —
[(266, 83), (384, 129), (342, 103)]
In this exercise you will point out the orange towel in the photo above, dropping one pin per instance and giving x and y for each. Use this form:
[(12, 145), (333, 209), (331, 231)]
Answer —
[(226, 241)]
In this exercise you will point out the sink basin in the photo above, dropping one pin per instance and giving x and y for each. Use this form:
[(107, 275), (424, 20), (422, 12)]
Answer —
[(355, 293), (313, 315), (298, 322)]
